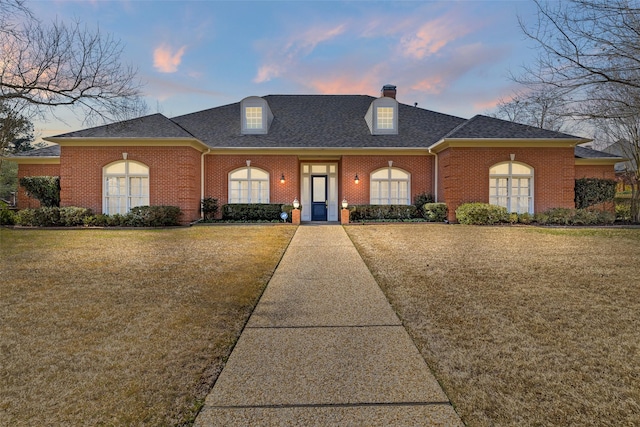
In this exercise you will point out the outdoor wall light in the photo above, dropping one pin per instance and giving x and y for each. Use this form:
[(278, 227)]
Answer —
[(344, 204), (282, 179), (357, 180), (296, 203)]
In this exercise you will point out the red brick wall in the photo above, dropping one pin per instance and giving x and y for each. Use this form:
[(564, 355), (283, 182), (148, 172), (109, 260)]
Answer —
[(465, 175), (595, 171), (23, 201), (420, 168), (217, 168), (174, 176)]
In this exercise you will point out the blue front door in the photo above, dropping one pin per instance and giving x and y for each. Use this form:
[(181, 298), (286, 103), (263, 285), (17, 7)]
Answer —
[(319, 198)]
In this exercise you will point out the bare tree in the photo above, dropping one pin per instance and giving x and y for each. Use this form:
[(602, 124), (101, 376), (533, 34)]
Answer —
[(584, 46), (44, 67), (591, 50), (540, 108)]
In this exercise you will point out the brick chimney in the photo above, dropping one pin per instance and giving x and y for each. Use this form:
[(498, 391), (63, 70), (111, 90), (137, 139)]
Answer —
[(389, 90)]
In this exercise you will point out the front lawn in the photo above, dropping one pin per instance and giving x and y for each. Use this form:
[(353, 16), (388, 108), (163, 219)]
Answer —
[(522, 326), (124, 327)]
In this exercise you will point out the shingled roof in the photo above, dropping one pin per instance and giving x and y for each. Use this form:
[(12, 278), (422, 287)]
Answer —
[(318, 121), (155, 126), (315, 122), (484, 127), (590, 153)]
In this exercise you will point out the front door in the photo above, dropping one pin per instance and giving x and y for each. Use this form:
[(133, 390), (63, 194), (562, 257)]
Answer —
[(319, 200)]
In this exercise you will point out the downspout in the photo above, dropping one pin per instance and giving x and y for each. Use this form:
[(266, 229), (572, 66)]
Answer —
[(202, 178), (436, 176)]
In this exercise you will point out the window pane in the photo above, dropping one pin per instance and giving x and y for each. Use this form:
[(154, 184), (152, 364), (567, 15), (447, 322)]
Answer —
[(116, 168), (138, 169), (518, 169), (381, 174), (240, 174), (259, 174), (385, 117), (399, 174), (319, 189), (253, 116), (502, 169), (318, 169)]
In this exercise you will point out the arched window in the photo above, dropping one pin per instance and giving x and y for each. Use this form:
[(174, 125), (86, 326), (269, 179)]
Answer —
[(249, 185), (511, 186), (126, 185), (390, 186)]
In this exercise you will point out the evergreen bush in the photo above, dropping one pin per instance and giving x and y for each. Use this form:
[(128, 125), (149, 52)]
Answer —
[(592, 191), (481, 214), (46, 189), (383, 212), (435, 212)]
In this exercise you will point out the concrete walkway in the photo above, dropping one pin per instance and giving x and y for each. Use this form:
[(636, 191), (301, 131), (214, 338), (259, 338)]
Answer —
[(324, 347)]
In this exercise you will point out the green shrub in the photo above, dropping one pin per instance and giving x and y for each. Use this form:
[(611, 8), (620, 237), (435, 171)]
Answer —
[(99, 220), (525, 218), (7, 217), (420, 200), (73, 216), (592, 191), (383, 212), (46, 189), (435, 212), (209, 206), (623, 211), (564, 216), (251, 212), (153, 216), (481, 214), (116, 220)]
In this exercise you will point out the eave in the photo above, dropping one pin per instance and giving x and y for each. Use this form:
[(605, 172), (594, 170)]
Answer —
[(599, 161), (445, 143), (33, 160), (305, 152), (129, 142)]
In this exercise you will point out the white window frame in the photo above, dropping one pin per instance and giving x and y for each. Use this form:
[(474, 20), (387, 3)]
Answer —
[(512, 183), (392, 185), (249, 120), (245, 195), (128, 199)]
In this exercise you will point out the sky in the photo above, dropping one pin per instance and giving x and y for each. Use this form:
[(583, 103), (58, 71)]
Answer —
[(453, 57)]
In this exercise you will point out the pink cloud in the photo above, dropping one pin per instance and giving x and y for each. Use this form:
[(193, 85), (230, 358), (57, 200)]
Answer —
[(166, 61), (298, 46), (432, 37)]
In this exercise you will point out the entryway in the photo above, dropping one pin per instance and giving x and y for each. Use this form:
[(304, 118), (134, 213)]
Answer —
[(319, 191)]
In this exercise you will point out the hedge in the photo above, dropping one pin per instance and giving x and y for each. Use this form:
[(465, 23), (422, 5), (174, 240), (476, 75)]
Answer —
[(249, 212), (383, 212), (142, 216), (592, 191)]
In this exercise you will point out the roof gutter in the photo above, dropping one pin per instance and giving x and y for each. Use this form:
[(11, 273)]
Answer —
[(435, 176), (202, 179)]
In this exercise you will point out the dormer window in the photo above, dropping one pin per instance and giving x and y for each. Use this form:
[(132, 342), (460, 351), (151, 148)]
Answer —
[(256, 115), (382, 116)]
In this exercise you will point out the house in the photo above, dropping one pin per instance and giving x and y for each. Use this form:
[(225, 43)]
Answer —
[(319, 149)]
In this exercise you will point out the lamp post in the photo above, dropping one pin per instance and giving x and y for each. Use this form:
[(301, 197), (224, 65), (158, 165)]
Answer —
[(295, 213), (344, 214)]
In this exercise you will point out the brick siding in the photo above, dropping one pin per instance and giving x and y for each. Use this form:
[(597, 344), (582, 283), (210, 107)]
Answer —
[(464, 175), (174, 176)]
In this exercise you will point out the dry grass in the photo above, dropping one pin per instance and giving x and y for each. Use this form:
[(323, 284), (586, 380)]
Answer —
[(124, 327), (522, 326)]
